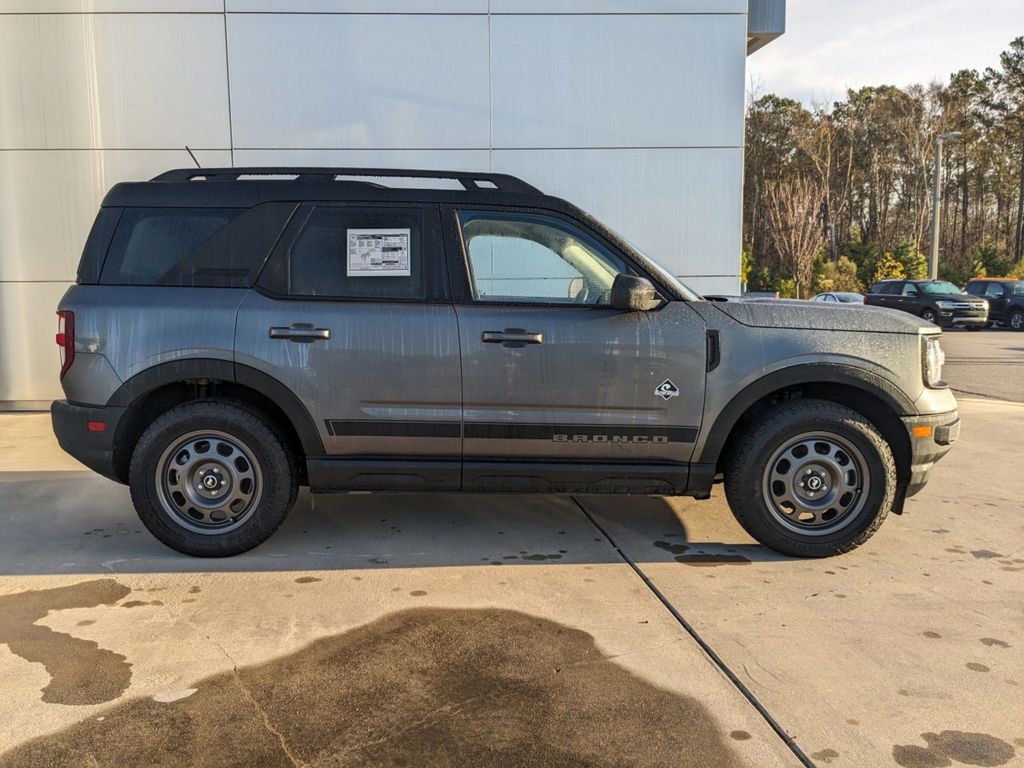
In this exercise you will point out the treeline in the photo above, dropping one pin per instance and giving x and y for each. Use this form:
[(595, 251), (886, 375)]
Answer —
[(838, 196)]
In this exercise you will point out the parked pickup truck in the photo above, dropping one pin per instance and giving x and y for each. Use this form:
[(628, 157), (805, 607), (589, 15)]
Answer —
[(236, 333)]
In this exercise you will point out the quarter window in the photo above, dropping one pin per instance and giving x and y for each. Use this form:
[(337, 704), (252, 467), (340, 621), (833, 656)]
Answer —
[(526, 258), (150, 244)]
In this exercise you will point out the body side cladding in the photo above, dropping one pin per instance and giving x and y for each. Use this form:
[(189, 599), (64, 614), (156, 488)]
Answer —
[(810, 374), (214, 369)]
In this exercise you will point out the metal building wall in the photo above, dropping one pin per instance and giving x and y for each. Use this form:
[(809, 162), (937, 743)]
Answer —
[(633, 109)]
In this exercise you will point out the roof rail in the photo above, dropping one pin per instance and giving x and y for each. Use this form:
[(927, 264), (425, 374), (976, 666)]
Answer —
[(471, 182)]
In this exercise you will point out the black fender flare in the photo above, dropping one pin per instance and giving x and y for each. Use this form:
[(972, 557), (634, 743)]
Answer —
[(808, 373), (192, 368)]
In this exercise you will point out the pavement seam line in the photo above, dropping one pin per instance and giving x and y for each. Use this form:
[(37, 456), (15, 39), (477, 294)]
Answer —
[(704, 646), (295, 760)]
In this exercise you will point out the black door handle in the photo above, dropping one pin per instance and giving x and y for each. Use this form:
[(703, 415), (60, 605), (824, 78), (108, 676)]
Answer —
[(301, 332), (512, 336)]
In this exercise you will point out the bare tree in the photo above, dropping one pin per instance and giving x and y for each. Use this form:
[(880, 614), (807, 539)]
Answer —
[(791, 215)]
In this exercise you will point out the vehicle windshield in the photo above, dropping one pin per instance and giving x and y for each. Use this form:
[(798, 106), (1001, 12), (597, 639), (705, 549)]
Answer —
[(938, 287), (659, 271)]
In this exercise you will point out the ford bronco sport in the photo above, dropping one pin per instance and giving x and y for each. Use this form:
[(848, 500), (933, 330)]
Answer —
[(236, 333)]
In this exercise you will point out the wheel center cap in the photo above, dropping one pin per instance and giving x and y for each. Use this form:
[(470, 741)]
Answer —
[(814, 482), (210, 481)]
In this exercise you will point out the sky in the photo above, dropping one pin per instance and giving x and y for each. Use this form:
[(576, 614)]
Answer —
[(832, 45)]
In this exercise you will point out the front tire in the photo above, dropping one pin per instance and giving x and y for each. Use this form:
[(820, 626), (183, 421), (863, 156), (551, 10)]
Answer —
[(1016, 320), (210, 479), (811, 479)]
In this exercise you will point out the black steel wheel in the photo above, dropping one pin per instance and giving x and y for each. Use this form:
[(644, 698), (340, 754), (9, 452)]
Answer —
[(811, 478), (210, 478)]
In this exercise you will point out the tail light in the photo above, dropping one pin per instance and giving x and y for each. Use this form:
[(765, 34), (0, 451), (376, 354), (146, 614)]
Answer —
[(66, 339)]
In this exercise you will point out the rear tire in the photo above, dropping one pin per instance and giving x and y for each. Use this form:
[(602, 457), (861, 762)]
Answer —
[(210, 479), (1016, 320), (811, 479)]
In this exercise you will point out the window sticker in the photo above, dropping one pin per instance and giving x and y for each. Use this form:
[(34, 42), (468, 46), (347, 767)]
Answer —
[(378, 253)]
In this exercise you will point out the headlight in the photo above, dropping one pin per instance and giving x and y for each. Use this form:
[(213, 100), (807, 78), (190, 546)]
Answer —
[(933, 360), (947, 304)]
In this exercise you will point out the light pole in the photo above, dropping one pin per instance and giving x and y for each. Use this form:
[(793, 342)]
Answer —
[(933, 262)]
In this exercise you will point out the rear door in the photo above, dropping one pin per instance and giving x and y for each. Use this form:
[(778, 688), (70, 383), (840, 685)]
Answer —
[(352, 314), (560, 391)]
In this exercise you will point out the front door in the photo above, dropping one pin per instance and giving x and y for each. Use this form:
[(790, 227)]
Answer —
[(561, 391), (352, 315)]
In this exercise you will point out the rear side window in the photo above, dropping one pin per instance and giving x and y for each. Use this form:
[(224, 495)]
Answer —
[(347, 252), (193, 247)]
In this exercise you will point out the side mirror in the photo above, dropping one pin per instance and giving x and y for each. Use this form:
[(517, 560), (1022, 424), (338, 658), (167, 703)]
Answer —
[(634, 294)]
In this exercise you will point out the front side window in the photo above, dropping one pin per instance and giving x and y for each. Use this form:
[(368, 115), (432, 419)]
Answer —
[(910, 289), (355, 253), (527, 258), (994, 291)]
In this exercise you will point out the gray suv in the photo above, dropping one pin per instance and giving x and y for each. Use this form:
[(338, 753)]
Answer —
[(236, 333)]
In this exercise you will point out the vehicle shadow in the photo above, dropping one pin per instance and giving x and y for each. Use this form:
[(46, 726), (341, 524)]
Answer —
[(77, 522)]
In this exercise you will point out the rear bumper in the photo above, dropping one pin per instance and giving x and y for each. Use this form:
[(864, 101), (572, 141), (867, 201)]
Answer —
[(95, 449), (943, 430)]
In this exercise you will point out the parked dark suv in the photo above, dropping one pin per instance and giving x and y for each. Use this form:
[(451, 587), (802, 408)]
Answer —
[(1005, 300), (936, 301), (235, 333)]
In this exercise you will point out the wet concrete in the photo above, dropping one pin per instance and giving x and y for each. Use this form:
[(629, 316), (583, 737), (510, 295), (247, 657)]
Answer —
[(863, 659), (918, 632), (418, 687), (80, 671)]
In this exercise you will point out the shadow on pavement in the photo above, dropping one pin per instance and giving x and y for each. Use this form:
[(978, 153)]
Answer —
[(69, 522)]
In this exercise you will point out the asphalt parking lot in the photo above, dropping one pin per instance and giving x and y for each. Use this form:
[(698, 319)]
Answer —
[(503, 630)]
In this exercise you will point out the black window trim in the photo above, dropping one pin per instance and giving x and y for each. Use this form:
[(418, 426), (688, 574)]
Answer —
[(459, 267), (435, 286)]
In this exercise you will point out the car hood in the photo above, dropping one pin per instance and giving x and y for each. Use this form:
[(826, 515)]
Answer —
[(815, 316), (953, 297)]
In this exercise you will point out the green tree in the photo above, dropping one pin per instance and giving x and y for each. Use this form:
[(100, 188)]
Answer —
[(915, 265), (888, 268), (839, 275)]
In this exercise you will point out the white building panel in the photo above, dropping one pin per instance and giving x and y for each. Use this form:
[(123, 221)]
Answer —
[(617, 81), (29, 360), (355, 81), (618, 6), (115, 81), (682, 207), (49, 199), (358, 6), (440, 159)]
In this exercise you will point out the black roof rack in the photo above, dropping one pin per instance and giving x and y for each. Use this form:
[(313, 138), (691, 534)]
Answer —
[(470, 182)]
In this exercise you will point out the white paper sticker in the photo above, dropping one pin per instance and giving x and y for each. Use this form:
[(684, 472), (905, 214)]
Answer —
[(378, 253)]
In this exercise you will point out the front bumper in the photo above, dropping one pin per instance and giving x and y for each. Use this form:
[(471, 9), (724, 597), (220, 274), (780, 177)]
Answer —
[(931, 438), (963, 317), (93, 448)]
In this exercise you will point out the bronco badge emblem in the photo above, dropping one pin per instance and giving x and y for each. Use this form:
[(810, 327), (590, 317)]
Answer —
[(667, 390)]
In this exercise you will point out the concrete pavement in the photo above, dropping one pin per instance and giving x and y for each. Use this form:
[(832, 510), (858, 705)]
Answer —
[(987, 363), (509, 630), (413, 630)]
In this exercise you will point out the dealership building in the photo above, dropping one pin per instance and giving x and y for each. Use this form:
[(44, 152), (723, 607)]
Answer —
[(632, 109)]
